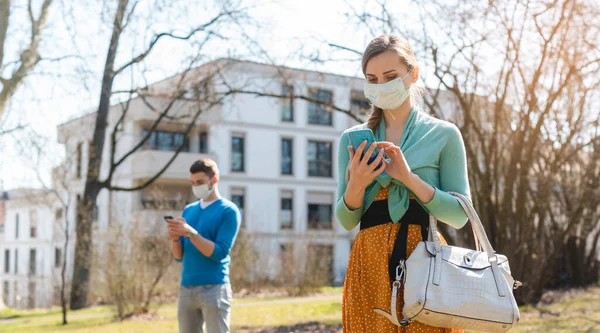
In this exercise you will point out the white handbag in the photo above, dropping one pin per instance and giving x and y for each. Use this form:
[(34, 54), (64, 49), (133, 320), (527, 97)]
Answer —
[(449, 286)]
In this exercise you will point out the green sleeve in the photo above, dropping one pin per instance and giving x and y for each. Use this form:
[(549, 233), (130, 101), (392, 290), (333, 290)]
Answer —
[(453, 177), (348, 218)]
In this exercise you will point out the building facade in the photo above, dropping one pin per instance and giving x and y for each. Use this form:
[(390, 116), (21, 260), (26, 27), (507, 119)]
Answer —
[(31, 248), (277, 159)]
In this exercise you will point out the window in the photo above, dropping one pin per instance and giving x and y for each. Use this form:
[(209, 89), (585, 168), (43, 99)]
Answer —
[(57, 257), (287, 103), (203, 142), (5, 291), (320, 211), (32, 261), (286, 252), (319, 264), (319, 216), (238, 198), (287, 210), (16, 261), (58, 214), (166, 196), (31, 295), (79, 157), (288, 264), (17, 226), (6, 261), (15, 291), (319, 159), (359, 105), (287, 158), (237, 153), (77, 203), (318, 113), (166, 141), (179, 139), (95, 214), (33, 223)]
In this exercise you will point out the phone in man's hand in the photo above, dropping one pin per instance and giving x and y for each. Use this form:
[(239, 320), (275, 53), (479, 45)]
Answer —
[(167, 218)]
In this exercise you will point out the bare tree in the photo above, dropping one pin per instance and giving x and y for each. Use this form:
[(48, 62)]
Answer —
[(56, 195), (160, 102), (64, 195), (14, 72), (520, 79)]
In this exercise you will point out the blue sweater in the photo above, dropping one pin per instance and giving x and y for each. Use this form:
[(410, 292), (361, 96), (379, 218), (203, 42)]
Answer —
[(219, 222)]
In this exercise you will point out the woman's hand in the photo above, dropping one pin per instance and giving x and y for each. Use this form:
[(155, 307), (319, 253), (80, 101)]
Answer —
[(361, 172), (397, 167)]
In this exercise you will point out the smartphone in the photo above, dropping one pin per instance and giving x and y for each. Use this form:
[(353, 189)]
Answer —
[(168, 217), (360, 135)]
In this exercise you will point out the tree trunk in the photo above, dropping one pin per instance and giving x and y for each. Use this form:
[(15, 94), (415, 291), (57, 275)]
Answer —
[(83, 225), (83, 250)]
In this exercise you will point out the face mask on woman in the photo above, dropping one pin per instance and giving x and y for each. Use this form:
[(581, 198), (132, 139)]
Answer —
[(389, 95)]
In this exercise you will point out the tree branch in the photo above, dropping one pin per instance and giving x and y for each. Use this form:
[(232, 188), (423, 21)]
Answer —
[(4, 16), (29, 56), (173, 157), (156, 38), (302, 97), (336, 46)]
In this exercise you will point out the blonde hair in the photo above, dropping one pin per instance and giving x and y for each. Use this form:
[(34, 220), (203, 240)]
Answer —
[(399, 45)]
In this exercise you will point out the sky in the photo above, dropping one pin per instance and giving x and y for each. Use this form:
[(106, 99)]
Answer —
[(61, 90)]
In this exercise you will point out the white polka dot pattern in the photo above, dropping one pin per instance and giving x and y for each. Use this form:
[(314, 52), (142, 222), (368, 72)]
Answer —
[(367, 285)]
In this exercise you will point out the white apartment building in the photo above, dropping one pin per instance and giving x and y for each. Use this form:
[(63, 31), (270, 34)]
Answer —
[(277, 160), (31, 248)]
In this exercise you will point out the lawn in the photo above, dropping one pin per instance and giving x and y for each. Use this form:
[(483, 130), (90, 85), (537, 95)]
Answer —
[(579, 313)]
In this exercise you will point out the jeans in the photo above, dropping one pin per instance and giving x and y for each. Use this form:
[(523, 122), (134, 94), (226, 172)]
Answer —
[(204, 305)]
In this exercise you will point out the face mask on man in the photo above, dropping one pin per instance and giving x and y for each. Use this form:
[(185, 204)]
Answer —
[(389, 95), (202, 191)]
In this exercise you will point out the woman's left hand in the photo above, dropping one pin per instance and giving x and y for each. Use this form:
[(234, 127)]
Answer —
[(397, 167)]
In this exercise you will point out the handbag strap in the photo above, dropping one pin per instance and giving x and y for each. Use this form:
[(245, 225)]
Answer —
[(481, 240), (476, 224), (433, 221)]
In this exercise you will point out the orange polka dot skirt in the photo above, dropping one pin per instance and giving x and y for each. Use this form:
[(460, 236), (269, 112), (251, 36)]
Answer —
[(367, 285)]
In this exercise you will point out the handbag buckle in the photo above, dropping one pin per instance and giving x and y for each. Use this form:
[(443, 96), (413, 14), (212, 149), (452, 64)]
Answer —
[(400, 270), (405, 322), (468, 259)]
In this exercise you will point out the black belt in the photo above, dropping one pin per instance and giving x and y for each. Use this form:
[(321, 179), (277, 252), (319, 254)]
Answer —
[(378, 214)]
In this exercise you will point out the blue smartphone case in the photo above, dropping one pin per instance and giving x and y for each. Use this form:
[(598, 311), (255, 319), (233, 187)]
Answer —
[(358, 136)]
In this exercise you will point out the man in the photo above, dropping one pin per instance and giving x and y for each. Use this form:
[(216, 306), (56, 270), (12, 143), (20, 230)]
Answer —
[(202, 240)]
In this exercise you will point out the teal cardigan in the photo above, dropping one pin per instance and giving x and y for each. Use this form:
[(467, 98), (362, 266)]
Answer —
[(434, 150)]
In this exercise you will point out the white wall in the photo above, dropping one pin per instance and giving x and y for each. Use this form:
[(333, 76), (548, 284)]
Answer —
[(259, 120), (23, 244)]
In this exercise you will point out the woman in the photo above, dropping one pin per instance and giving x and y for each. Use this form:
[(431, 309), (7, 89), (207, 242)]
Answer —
[(426, 159)]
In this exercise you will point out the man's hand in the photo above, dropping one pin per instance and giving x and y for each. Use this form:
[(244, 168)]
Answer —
[(179, 227), (173, 236)]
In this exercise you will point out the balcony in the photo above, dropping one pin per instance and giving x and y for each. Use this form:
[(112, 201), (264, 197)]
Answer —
[(147, 163)]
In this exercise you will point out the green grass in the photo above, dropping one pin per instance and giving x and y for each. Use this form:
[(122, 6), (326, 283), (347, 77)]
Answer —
[(580, 314), (165, 320), (9, 313)]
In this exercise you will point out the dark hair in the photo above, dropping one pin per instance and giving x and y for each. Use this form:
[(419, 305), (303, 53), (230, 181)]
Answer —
[(378, 46), (206, 165)]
